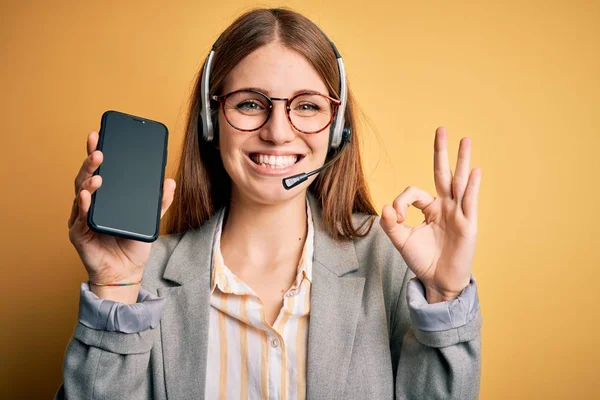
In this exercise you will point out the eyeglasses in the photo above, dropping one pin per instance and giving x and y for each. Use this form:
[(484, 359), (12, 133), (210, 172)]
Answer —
[(248, 110)]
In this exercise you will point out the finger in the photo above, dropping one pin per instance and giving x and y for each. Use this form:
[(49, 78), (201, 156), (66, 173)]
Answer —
[(85, 199), (168, 195), (89, 166), (393, 227), (471, 198), (74, 212), (92, 142), (411, 196), (463, 165), (441, 166), (89, 185), (80, 226)]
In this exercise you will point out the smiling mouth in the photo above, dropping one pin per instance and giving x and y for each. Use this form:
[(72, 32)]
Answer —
[(275, 162)]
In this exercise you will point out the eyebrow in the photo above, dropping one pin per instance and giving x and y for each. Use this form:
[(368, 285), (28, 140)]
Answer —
[(268, 92)]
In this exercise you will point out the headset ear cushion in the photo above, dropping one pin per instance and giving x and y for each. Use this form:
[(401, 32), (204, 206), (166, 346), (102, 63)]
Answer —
[(200, 127), (215, 127), (346, 134)]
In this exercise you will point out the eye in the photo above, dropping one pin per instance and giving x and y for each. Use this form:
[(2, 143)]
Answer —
[(307, 107), (250, 105)]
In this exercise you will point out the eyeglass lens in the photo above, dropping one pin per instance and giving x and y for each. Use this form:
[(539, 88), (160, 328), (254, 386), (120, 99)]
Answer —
[(249, 110)]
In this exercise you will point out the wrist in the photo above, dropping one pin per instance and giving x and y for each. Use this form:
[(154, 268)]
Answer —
[(116, 288), (120, 294), (434, 295), (107, 278)]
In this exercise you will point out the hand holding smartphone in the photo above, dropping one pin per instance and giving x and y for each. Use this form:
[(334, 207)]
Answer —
[(113, 238)]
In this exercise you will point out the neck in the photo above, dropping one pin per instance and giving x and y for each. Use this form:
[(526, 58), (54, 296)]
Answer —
[(264, 236)]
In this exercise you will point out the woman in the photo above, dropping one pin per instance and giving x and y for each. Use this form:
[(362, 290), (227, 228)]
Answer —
[(262, 292)]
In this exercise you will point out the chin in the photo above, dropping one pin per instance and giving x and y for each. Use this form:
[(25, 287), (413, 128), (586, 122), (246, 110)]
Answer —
[(274, 192), (271, 191)]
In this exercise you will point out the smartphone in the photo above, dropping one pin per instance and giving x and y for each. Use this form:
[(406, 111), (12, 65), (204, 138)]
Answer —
[(129, 201)]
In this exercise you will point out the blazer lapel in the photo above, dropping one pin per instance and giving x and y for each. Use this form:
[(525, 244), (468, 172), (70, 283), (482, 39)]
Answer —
[(184, 325), (335, 305)]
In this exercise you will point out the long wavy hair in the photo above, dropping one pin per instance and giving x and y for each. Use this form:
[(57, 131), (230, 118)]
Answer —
[(203, 185)]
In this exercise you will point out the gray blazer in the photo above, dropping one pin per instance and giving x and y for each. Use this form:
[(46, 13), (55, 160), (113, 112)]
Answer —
[(366, 341)]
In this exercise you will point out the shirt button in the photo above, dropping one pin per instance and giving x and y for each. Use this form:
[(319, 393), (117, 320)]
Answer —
[(290, 293), (274, 342)]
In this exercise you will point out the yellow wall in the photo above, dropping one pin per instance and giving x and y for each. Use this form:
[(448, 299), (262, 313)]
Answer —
[(520, 78)]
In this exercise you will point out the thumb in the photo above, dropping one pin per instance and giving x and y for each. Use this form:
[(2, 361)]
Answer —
[(389, 219), (392, 224), (168, 194)]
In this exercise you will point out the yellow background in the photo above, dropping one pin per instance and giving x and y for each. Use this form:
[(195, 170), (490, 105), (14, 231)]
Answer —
[(520, 78)]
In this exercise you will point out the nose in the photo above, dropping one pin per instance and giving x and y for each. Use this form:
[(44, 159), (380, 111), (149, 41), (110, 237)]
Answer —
[(278, 129)]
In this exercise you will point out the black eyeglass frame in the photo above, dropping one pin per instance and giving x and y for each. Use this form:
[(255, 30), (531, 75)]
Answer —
[(335, 103)]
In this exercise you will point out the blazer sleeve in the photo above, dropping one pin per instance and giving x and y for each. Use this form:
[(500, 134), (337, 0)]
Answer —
[(437, 346), (108, 356)]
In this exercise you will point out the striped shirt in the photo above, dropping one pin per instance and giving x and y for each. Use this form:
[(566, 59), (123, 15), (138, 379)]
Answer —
[(247, 357)]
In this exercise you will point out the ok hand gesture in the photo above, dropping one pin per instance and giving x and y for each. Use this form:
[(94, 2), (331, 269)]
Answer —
[(440, 250)]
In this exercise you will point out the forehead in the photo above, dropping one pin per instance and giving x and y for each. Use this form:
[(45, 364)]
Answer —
[(276, 69)]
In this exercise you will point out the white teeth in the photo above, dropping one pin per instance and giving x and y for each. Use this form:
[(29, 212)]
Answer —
[(274, 162)]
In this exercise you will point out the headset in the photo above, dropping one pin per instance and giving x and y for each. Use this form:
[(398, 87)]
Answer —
[(339, 134)]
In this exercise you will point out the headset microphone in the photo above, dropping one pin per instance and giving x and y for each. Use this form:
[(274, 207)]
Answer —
[(293, 181)]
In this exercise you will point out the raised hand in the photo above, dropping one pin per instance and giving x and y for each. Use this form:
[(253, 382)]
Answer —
[(107, 259), (440, 250)]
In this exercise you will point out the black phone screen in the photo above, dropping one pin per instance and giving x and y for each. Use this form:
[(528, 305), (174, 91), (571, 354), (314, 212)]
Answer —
[(128, 202)]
